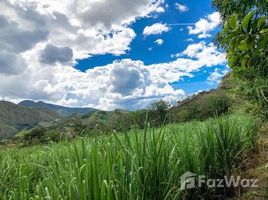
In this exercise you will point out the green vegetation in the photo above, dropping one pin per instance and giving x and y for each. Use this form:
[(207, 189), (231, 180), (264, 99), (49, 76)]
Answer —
[(134, 158), (201, 107), (60, 110), (15, 117), (7, 132), (143, 164), (245, 39)]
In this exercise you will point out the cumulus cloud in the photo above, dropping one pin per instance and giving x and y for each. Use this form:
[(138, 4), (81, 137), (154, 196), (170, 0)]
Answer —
[(37, 32), (14, 38), (204, 52), (205, 56), (52, 54), (155, 29), (123, 84), (107, 13), (160, 10), (216, 76), (88, 27), (205, 25), (11, 63), (159, 42), (181, 7), (127, 76), (193, 49)]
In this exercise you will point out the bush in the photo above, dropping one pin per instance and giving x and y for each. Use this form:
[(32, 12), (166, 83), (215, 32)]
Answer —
[(160, 110)]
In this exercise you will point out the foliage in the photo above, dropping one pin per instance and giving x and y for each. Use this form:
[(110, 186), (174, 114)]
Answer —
[(34, 136), (245, 39), (160, 110), (201, 107), (78, 126), (239, 7), (120, 120), (7, 131), (246, 44), (135, 165), (37, 132), (102, 122)]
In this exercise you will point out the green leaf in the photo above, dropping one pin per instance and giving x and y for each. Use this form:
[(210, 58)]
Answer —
[(233, 43), (232, 60), (264, 30), (243, 45), (261, 22), (226, 27), (246, 20), (232, 22), (244, 61), (263, 42)]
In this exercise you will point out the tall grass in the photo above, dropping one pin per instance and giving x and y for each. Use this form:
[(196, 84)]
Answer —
[(133, 165)]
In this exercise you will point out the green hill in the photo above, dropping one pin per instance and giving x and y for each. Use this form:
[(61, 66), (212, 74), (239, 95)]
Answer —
[(15, 117), (201, 106), (61, 110)]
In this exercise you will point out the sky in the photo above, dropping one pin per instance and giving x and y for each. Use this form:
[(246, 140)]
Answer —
[(108, 54)]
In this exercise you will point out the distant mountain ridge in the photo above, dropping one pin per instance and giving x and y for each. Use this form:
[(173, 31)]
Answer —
[(14, 118), (28, 114), (61, 110)]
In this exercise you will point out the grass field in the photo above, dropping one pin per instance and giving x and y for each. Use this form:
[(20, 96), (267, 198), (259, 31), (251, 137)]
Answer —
[(143, 164)]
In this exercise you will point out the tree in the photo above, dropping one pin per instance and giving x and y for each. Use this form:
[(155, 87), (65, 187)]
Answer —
[(78, 126), (239, 7), (160, 109), (245, 39)]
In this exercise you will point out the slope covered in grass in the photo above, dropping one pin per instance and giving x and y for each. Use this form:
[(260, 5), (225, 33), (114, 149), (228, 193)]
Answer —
[(15, 117), (143, 164), (60, 110)]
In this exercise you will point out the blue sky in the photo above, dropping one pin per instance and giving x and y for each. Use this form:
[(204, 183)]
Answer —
[(143, 47), (175, 40), (108, 54)]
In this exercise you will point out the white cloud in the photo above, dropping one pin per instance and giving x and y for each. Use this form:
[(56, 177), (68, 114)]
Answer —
[(216, 76), (159, 42), (11, 63), (175, 55), (160, 10), (155, 29), (190, 40), (88, 27), (102, 13), (198, 57), (123, 84), (193, 49), (181, 7), (205, 25), (52, 54), (205, 52), (42, 39)]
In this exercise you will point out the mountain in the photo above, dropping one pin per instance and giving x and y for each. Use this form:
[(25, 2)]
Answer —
[(14, 118), (61, 110)]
